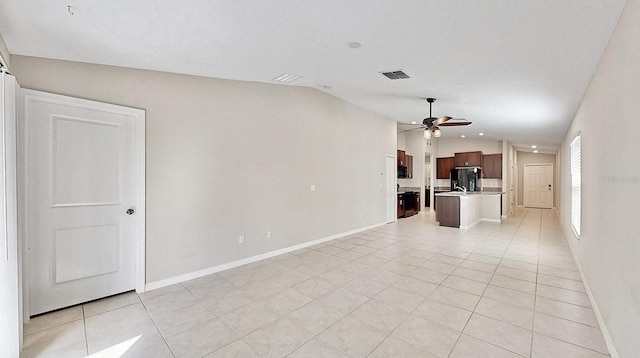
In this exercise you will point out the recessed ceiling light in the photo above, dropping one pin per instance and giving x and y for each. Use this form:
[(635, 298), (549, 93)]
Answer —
[(480, 133), (463, 136), (534, 147), (286, 78), (413, 122), (354, 44), (535, 151)]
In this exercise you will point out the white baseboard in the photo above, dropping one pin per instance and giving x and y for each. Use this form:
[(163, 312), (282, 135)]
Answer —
[(483, 219), (603, 327), (211, 270)]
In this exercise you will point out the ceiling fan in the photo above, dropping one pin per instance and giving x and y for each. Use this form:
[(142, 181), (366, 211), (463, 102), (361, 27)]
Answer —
[(431, 124)]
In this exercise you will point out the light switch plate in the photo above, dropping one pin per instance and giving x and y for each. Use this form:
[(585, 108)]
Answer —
[(313, 187)]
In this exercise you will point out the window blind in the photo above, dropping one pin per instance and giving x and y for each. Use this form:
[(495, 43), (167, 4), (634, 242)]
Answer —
[(576, 184)]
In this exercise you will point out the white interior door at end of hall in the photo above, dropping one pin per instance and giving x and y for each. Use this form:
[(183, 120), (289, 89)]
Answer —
[(390, 190), (81, 182), (538, 190)]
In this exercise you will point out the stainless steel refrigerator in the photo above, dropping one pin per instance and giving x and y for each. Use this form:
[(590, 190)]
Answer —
[(468, 178)]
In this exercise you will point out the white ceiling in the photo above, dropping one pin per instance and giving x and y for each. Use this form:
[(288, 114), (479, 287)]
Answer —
[(517, 69)]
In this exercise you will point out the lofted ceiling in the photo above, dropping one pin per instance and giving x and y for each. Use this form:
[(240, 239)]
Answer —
[(516, 69)]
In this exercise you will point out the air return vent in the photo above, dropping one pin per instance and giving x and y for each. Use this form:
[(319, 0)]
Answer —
[(286, 78), (396, 75)]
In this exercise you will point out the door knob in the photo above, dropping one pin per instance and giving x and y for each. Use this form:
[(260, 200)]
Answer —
[(130, 211)]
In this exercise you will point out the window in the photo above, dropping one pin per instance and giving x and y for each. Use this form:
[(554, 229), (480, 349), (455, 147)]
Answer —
[(576, 184)]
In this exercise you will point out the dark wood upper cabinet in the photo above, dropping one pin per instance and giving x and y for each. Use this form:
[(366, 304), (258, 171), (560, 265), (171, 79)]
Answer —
[(468, 159), (443, 167), (492, 166), (409, 159), (402, 160)]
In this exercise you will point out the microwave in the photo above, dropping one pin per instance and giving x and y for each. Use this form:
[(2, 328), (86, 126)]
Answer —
[(402, 171)]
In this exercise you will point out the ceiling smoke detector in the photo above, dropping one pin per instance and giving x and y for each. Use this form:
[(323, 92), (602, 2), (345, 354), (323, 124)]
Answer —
[(396, 75)]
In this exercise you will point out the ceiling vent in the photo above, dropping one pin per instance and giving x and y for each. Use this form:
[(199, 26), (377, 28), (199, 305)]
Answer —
[(396, 75), (286, 78)]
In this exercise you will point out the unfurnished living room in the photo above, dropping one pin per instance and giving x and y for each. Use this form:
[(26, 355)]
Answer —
[(358, 178)]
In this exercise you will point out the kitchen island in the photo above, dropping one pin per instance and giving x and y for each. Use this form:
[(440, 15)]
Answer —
[(464, 210)]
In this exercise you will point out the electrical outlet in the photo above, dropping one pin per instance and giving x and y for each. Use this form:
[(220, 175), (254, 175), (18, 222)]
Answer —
[(313, 187), (268, 234), (241, 239)]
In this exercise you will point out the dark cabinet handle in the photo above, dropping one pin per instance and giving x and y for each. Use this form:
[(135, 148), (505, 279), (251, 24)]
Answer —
[(130, 211)]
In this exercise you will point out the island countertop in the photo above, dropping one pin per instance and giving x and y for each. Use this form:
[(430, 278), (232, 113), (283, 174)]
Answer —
[(469, 193)]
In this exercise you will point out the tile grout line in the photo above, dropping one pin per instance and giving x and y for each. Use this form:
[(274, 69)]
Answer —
[(481, 296), (156, 325), (84, 324), (535, 292)]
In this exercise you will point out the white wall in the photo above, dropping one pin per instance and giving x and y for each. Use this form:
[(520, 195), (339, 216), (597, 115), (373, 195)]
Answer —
[(447, 147), (228, 158), (609, 248)]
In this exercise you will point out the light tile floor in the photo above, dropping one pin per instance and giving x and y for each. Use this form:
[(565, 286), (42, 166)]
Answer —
[(410, 289)]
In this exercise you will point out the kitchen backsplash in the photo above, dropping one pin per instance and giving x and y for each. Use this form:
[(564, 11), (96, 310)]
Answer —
[(409, 183), (485, 183)]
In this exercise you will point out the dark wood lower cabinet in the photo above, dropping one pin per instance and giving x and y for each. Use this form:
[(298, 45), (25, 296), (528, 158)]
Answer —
[(448, 213), (408, 204)]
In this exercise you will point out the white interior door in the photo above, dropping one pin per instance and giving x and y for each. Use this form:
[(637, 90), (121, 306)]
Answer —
[(538, 186), (82, 199), (390, 189)]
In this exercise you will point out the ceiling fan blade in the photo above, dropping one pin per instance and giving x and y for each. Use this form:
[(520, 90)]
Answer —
[(411, 129), (453, 124), (415, 124), (440, 120)]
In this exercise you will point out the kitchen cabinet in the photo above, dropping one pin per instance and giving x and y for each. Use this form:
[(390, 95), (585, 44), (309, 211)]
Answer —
[(468, 159), (492, 166), (435, 202), (408, 204), (409, 159), (448, 213), (400, 206), (443, 167), (417, 201), (402, 158)]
